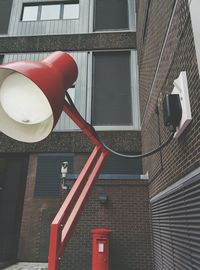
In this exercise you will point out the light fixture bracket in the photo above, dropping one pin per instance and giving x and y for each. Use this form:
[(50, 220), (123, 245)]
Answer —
[(181, 88)]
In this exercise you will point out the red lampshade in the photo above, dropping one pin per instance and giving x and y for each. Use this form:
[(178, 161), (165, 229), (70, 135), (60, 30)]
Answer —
[(32, 95)]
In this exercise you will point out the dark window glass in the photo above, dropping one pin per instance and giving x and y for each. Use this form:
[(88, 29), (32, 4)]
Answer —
[(118, 165), (111, 99), (146, 20), (5, 9), (48, 174), (13, 175), (1, 59), (111, 14)]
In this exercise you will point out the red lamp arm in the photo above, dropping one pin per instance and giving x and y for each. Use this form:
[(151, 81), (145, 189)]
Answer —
[(67, 217)]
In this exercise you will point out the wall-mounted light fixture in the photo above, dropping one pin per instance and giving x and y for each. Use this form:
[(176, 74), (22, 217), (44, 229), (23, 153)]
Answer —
[(64, 180), (103, 198), (181, 89)]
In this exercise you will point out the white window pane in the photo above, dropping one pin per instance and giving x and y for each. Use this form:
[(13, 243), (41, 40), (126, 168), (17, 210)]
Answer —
[(50, 12), (30, 13), (71, 92), (71, 11)]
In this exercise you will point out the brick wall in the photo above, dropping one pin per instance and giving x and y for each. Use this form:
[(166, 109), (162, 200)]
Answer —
[(127, 214), (178, 54)]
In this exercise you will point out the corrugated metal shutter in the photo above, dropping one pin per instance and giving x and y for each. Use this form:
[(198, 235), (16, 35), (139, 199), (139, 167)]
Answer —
[(176, 227), (48, 174)]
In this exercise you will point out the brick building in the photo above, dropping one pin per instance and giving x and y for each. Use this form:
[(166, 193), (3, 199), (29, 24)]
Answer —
[(155, 218), (102, 40), (168, 43)]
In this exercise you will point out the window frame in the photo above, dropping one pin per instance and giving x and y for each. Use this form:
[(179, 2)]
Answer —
[(134, 93), (40, 4), (131, 18), (28, 6)]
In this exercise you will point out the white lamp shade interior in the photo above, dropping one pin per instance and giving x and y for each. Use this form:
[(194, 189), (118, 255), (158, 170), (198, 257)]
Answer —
[(25, 113)]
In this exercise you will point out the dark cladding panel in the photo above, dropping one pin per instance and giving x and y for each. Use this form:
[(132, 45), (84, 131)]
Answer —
[(48, 174), (117, 165), (111, 100), (1, 59), (111, 14), (13, 175), (5, 9)]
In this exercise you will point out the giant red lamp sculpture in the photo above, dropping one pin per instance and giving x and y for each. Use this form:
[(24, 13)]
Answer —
[(32, 97)]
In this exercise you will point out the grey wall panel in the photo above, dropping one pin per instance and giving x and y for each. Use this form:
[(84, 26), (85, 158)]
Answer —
[(17, 27), (64, 123)]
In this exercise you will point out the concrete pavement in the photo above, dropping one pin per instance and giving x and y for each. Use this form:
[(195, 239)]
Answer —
[(27, 266)]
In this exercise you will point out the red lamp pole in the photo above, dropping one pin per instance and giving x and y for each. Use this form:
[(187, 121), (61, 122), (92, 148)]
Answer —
[(51, 77), (67, 217)]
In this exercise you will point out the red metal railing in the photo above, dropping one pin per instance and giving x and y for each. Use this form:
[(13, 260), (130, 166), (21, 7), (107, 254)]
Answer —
[(67, 217)]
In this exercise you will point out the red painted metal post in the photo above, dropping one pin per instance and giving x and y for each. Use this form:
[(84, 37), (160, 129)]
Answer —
[(75, 214), (81, 123), (77, 188), (66, 219), (53, 260)]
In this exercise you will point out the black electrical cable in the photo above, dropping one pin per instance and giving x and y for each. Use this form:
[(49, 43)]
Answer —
[(142, 155), (117, 153)]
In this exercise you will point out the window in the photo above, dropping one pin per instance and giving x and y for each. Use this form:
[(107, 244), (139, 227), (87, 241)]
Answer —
[(111, 95), (1, 59), (122, 167), (194, 12), (30, 13), (50, 11), (71, 92), (71, 11), (5, 10), (111, 14), (146, 19), (48, 174)]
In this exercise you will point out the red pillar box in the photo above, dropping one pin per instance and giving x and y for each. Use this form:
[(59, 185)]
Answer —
[(100, 249)]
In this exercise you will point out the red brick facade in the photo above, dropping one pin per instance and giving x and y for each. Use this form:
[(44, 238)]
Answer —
[(166, 50), (126, 213)]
